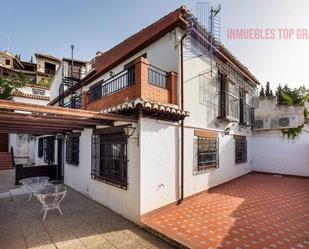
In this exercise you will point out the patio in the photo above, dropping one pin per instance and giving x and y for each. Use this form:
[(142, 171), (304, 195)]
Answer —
[(253, 211), (85, 224)]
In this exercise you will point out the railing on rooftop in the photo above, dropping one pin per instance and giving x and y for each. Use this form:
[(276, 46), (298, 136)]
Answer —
[(157, 77), (117, 82)]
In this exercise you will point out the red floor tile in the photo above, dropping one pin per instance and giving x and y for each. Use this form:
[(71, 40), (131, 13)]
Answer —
[(254, 211)]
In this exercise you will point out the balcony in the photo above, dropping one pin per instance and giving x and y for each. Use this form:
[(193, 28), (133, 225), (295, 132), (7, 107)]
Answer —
[(140, 80)]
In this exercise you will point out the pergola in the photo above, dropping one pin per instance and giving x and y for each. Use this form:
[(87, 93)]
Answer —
[(34, 119)]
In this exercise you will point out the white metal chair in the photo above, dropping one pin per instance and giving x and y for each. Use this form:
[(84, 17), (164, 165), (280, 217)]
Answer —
[(51, 197), (34, 184)]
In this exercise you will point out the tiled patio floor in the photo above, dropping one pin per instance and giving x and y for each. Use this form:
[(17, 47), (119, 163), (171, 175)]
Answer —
[(254, 211), (84, 224)]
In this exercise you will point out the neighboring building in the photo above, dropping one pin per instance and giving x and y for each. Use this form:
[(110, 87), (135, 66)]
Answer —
[(66, 77), (288, 156), (135, 168), (47, 66), (34, 93)]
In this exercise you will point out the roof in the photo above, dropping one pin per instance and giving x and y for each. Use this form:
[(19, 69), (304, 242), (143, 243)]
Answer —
[(10, 55), (38, 86), (48, 56), (168, 111), (29, 96), (135, 43), (41, 119)]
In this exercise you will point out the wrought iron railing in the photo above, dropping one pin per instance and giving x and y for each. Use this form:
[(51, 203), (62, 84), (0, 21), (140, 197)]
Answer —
[(75, 103), (229, 106), (117, 82), (157, 77)]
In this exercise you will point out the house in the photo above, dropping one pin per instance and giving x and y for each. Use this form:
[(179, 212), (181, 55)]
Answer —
[(289, 155), (34, 92), (193, 114)]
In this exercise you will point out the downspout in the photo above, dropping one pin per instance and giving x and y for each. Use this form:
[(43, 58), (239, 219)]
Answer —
[(182, 123)]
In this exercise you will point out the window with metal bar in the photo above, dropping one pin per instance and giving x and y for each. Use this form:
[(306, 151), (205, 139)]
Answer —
[(49, 150), (109, 159), (207, 153), (40, 147), (72, 150), (240, 149)]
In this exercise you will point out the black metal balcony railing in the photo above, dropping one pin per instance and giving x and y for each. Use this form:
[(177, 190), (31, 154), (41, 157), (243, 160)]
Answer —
[(117, 82), (75, 103), (157, 77), (228, 106)]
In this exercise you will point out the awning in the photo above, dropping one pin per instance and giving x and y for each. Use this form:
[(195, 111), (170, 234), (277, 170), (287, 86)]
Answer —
[(23, 118)]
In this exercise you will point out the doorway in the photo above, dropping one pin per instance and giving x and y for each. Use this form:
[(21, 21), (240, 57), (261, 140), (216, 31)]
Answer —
[(4, 142)]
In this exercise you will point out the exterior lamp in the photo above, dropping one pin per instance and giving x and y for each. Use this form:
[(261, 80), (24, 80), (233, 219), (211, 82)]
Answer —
[(129, 131), (227, 131)]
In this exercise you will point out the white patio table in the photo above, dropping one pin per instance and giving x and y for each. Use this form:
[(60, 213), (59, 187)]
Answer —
[(51, 197), (35, 184)]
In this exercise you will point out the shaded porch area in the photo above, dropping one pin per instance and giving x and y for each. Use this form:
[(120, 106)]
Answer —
[(253, 211), (84, 224)]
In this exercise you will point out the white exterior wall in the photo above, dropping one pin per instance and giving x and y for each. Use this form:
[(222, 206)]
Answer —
[(276, 154), (159, 163), (163, 53), (124, 202)]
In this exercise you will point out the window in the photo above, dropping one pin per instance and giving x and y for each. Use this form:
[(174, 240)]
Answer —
[(50, 68), (7, 62), (207, 153), (41, 147), (72, 150), (49, 150), (38, 92), (240, 149), (109, 158)]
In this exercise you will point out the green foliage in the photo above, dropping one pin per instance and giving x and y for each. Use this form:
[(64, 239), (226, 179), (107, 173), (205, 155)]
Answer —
[(9, 85), (292, 97), (292, 133), (45, 82)]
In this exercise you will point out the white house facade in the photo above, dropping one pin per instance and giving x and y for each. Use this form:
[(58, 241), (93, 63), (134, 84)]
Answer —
[(193, 121)]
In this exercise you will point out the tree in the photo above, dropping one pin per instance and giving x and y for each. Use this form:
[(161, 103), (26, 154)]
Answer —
[(292, 97), (262, 93), (268, 91), (9, 85)]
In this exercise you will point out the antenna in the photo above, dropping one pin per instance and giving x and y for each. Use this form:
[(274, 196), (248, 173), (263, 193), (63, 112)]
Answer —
[(8, 42), (213, 14)]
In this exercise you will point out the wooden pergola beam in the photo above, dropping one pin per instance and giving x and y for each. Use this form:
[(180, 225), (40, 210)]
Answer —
[(42, 125), (16, 106), (23, 117)]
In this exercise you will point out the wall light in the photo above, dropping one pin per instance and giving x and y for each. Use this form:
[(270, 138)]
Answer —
[(129, 131)]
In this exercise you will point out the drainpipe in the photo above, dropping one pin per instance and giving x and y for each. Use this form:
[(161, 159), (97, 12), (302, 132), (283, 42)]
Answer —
[(182, 123)]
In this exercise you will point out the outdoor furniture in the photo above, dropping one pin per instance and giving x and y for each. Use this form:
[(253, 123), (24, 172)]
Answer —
[(35, 184), (51, 197)]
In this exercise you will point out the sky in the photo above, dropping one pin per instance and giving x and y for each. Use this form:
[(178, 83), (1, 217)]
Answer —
[(93, 25)]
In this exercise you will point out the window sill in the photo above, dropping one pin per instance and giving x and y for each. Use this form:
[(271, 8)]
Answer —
[(109, 182)]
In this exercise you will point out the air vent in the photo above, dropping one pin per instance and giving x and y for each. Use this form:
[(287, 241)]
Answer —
[(258, 124), (273, 124), (284, 122)]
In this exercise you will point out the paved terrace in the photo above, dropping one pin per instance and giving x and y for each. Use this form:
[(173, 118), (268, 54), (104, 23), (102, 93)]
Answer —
[(85, 224), (255, 211)]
